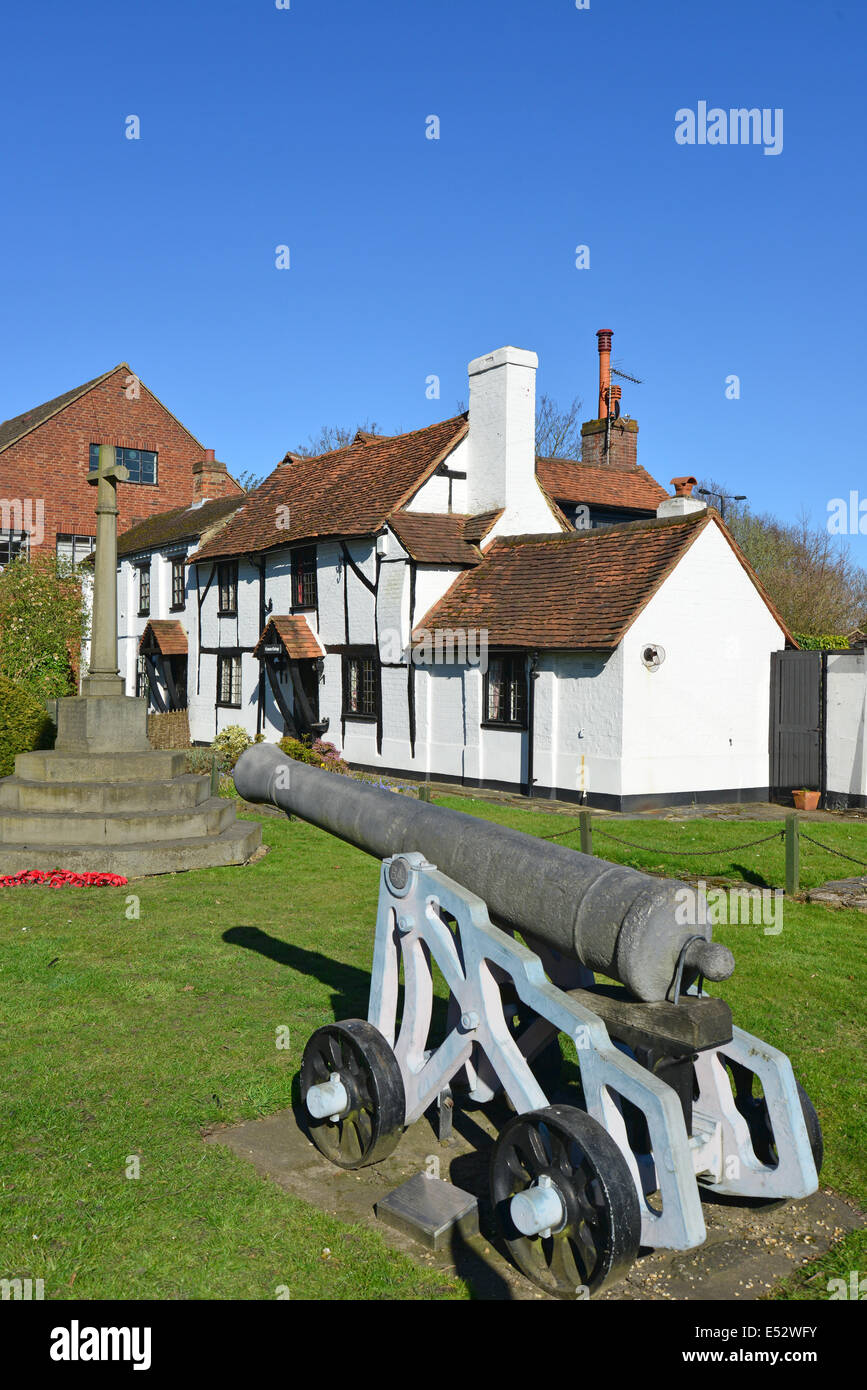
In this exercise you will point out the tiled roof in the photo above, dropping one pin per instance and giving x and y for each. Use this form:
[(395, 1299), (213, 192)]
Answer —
[(169, 636), (184, 523), (295, 634), (568, 481), (435, 538), (477, 527), (348, 492), (582, 590), (19, 425)]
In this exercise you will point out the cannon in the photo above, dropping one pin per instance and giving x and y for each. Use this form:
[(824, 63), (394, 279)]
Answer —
[(674, 1101)]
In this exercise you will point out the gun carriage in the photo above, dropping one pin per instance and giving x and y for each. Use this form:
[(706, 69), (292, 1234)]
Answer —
[(668, 1105)]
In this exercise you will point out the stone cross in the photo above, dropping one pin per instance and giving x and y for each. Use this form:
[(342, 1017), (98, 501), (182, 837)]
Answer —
[(104, 679)]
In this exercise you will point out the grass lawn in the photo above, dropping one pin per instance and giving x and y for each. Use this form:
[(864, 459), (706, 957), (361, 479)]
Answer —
[(128, 1035)]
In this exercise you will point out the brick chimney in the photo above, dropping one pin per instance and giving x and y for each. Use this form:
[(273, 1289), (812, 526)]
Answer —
[(210, 478), (611, 440)]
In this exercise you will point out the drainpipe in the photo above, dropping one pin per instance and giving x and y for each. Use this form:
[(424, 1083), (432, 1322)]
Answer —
[(531, 719)]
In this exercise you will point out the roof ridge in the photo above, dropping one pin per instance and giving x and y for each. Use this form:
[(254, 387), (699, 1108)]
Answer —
[(600, 532)]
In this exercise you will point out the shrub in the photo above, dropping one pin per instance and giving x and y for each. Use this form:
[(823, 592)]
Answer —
[(229, 744), (823, 642), (24, 724), (43, 619), (315, 754)]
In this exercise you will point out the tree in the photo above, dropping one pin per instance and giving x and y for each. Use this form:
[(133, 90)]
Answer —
[(43, 621), (329, 438), (810, 575)]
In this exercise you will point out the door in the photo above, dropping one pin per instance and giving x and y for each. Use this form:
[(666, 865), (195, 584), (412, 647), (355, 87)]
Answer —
[(797, 724)]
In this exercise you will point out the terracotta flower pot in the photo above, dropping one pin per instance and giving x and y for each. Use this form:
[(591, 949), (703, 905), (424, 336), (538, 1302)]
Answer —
[(806, 800)]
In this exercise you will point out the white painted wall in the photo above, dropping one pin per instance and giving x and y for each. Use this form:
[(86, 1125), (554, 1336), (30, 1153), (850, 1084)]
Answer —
[(579, 722), (701, 720), (846, 729), (433, 495)]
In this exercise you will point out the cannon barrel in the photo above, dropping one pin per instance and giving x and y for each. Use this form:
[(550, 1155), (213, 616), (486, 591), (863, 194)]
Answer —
[(613, 919)]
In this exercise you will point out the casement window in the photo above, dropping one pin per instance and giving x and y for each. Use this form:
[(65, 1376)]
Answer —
[(304, 577), (229, 679), (144, 590), (74, 549), (505, 692), (361, 686), (142, 683), (179, 584), (228, 581), (141, 463), (12, 544)]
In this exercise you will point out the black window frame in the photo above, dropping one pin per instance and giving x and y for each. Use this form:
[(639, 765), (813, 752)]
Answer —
[(368, 710), (305, 588), (227, 589), (123, 456), (142, 678), (179, 595), (9, 538), (224, 656), (513, 673), (144, 590), (67, 537)]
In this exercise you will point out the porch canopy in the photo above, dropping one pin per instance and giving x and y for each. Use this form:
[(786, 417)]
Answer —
[(289, 638), (162, 640)]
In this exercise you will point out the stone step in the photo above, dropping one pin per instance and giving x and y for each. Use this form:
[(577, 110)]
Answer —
[(177, 794), (233, 845), (159, 765), (32, 828)]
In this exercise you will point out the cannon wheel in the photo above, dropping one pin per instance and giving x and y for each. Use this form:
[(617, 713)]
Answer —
[(600, 1236), (755, 1111), (371, 1128)]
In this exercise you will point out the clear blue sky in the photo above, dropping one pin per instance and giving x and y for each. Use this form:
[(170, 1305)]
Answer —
[(409, 256)]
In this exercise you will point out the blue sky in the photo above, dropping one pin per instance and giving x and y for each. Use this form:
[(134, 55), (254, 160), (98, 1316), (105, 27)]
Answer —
[(306, 127)]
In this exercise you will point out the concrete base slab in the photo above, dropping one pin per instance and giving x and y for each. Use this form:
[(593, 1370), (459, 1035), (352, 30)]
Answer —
[(102, 724), (748, 1249), (428, 1209), (234, 845)]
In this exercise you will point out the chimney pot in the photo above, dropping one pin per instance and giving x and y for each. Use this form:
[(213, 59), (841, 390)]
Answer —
[(209, 456), (683, 486)]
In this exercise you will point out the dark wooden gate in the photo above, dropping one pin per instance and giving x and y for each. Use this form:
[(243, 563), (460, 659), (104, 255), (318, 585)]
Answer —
[(797, 723)]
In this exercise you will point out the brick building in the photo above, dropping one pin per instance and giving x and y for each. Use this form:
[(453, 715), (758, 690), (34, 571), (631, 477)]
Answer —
[(46, 453)]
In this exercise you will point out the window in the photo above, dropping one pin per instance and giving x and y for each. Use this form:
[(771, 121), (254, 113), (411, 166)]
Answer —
[(229, 680), (179, 584), (13, 543), (144, 590), (74, 549), (142, 685), (304, 577), (142, 463), (360, 687), (228, 588), (505, 692)]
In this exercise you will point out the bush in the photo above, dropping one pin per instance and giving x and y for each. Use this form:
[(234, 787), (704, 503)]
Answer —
[(229, 745), (43, 619), (824, 642), (24, 724), (315, 754)]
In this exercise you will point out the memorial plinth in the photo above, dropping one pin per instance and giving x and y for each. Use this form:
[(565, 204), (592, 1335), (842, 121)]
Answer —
[(103, 800)]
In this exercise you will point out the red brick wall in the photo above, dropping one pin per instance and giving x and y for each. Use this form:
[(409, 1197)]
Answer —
[(51, 462), (623, 443)]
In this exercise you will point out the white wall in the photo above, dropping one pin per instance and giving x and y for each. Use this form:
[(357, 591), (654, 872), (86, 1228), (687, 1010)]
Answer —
[(700, 722), (578, 742), (433, 495), (846, 727)]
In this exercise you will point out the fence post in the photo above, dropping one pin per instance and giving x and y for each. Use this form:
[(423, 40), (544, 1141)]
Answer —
[(792, 854), (215, 776), (586, 832)]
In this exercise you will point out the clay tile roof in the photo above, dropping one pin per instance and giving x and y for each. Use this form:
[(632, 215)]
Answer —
[(578, 591), (568, 481), (348, 492), (477, 527), (435, 538), (296, 635), (15, 429), (169, 636), (184, 523)]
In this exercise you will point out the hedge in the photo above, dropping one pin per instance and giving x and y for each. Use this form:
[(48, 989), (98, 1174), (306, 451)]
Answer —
[(24, 724), (825, 642)]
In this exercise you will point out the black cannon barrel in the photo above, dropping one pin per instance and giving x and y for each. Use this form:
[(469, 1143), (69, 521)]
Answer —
[(615, 920)]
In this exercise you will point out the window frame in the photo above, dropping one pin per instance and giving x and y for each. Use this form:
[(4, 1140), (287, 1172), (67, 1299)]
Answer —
[(304, 577), (229, 587), (10, 536), (121, 451), (142, 678), (361, 656), (517, 697), (178, 571), (144, 589), (229, 655)]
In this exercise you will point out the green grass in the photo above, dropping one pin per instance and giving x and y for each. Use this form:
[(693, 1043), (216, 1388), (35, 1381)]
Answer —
[(133, 1036)]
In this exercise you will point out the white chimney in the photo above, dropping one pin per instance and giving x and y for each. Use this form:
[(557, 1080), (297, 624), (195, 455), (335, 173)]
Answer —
[(501, 458), (683, 502)]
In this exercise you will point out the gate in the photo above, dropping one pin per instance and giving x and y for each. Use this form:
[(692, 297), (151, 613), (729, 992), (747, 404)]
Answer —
[(797, 722)]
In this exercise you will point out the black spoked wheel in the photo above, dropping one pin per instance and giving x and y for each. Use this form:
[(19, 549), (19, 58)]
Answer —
[(368, 1124), (558, 1166), (755, 1111)]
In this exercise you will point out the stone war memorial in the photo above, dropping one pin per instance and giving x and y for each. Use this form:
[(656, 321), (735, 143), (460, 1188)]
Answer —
[(103, 800)]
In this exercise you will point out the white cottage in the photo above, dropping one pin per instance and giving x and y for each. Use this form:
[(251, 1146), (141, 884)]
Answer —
[(424, 602)]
